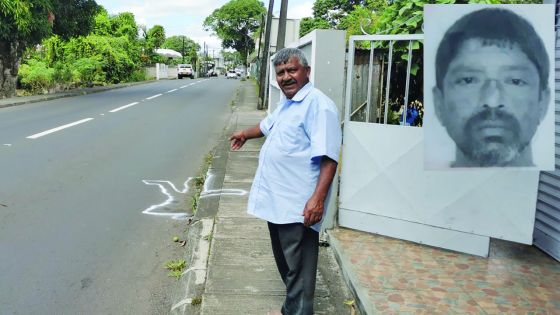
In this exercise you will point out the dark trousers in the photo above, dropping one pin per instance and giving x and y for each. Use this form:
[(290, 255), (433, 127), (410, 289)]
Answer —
[(296, 249)]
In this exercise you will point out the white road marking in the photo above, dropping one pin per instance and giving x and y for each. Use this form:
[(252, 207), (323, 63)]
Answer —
[(171, 91), (8, 144), (184, 86), (44, 133), (123, 107), (154, 96)]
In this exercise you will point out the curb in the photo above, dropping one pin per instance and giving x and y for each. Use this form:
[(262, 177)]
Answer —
[(193, 281), (21, 100), (348, 277)]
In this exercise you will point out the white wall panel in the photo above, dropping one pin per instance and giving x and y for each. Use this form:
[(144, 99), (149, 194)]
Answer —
[(383, 175)]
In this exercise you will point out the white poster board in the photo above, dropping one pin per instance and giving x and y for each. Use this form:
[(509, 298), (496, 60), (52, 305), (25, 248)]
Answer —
[(440, 149)]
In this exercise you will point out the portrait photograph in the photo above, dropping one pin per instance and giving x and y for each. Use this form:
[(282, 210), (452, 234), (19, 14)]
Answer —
[(489, 87)]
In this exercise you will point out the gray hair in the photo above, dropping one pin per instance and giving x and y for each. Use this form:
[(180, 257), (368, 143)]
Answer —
[(283, 55)]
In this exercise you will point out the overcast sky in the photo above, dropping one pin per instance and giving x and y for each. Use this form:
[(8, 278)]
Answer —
[(185, 17)]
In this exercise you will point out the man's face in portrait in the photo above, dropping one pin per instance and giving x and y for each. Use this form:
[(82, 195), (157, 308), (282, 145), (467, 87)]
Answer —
[(491, 101), (292, 76)]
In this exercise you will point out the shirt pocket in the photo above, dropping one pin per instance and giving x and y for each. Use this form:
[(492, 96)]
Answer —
[(292, 137)]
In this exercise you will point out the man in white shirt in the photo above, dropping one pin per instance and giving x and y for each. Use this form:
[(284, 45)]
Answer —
[(297, 164)]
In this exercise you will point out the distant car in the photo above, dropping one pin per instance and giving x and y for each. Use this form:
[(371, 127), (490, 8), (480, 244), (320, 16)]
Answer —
[(212, 73), (185, 70), (231, 74)]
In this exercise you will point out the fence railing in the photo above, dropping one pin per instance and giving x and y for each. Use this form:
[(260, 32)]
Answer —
[(364, 104)]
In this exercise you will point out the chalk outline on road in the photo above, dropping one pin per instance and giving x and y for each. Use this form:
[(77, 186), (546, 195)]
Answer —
[(171, 191)]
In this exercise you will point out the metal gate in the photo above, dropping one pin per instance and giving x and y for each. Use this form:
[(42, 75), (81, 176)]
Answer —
[(547, 221), (384, 187)]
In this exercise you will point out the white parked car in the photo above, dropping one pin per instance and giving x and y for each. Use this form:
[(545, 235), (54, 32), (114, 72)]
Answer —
[(185, 70), (231, 74)]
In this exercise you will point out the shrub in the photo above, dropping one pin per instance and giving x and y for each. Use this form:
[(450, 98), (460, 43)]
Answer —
[(87, 71), (138, 75), (36, 76), (62, 73)]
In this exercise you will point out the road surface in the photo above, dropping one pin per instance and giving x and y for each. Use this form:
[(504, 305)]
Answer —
[(85, 225)]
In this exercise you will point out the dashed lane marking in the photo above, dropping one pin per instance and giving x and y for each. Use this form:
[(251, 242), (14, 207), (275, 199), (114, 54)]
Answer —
[(44, 133), (123, 107), (153, 96)]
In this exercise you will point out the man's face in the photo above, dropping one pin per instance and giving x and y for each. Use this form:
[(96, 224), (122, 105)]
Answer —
[(491, 103), (292, 76)]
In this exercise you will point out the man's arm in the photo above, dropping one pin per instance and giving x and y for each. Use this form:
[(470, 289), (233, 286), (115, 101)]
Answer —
[(313, 211), (239, 137)]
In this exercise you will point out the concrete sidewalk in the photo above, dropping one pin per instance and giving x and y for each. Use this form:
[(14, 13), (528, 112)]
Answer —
[(242, 277)]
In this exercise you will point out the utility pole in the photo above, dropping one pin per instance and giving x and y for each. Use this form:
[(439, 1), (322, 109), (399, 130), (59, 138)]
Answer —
[(183, 50), (264, 60), (260, 38), (282, 25), (204, 55)]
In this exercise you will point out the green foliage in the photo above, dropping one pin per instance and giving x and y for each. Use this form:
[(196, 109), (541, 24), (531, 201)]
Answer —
[(138, 75), (102, 23), (117, 55), (27, 21), (342, 15), (87, 71), (156, 36), (196, 301), (236, 23), (98, 58), (124, 24), (36, 76), (308, 24), (24, 23), (332, 11), (175, 268), (62, 73), (73, 17), (190, 47), (232, 57)]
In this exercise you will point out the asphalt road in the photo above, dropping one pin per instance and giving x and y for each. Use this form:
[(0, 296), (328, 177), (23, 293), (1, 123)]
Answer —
[(85, 227)]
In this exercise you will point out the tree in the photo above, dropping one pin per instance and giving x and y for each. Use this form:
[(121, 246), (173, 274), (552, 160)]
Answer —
[(232, 58), (156, 36), (190, 49), (151, 40), (102, 23), (309, 24), (332, 11), (124, 24), (341, 14), (25, 23), (236, 23)]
